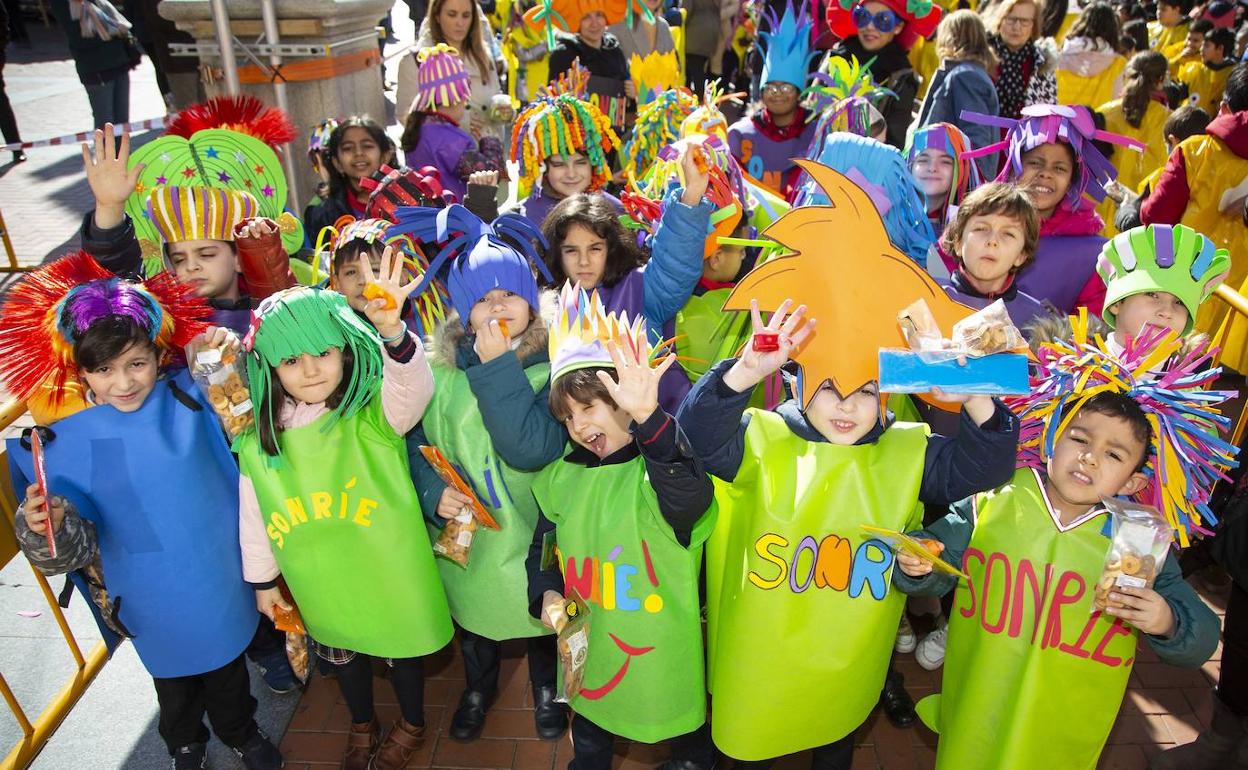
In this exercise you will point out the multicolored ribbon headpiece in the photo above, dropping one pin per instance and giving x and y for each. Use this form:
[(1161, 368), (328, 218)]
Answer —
[(658, 124), (582, 330), (198, 213), (949, 139), (1169, 258), (318, 140), (921, 18), (561, 125), (49, 310), (653, 74), (1049, 124), (707, 119), (1186, 455), (389, 188), (787, 46), (442, 79)]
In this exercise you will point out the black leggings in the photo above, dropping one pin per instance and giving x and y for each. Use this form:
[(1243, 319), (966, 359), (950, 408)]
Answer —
[(407, 676)]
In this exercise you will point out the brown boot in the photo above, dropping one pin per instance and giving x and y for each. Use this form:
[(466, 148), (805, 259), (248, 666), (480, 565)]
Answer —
[(361, 745), (399, 745)]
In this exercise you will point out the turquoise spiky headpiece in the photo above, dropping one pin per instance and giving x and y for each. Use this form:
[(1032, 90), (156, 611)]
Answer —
[(787, 47)]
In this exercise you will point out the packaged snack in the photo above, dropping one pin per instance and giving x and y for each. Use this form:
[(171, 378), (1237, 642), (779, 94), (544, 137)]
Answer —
[(451, 478), (919, 327), (987, 332), (222, 378), (290, 622), (924, 548), (456, 539), (572, 626), (1138, 546), (502, 327)]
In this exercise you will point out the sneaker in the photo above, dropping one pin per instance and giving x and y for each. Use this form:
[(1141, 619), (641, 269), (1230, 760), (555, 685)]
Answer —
[(906, 640), (275, 669), (192, 757), (931, 651), (260, 754)]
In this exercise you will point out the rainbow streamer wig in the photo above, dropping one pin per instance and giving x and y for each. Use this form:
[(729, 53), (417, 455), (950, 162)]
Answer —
[(561, 125), (658, 124)]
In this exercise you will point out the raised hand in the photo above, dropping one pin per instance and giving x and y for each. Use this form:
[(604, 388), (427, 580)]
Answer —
[(387, 292), (637, 391), (110, 180), (791, 331), (695, 163)]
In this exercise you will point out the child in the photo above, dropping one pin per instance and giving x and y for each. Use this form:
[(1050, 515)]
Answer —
[(993, 238), (490, 416), (1051, 153), (628, 499), (1046, 692), (1205, 80), (882, 32), (577, 35), (805, 477), (357, 148), (432, 135), (318, 141), (325, 493), (586, 244), (1188, 120), (1170, 29), (934, 156), (765, 141), (1186, 52), (173, 578), (1140, 114), (561, 144), (962, 82), (1089, 67)]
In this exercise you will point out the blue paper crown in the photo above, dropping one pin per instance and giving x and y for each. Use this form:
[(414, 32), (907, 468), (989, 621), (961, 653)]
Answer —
[(787, 47)]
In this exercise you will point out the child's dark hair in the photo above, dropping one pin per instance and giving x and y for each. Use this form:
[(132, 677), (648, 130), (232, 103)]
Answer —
[(1223, 38), (1122, 407), (411, 130), (1097, 21), (1188, 120), (595, 213), (1236, 94), (1185, 6), (1144, 74), (1004, 198), (268, 412), (581, 386), (1200, 27), (338, 180), (1135, 35), (351, 251), (108, 338)]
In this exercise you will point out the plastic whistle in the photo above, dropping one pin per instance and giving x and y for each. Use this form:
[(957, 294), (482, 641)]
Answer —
[(766, 342)]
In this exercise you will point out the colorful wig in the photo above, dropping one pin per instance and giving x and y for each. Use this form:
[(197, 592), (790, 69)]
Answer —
[(949, 139), (561, 125)]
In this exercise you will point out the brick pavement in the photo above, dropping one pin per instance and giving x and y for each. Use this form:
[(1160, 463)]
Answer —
[(1164, 706)]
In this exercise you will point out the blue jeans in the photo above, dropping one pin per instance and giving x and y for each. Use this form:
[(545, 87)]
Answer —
[(110, 100)]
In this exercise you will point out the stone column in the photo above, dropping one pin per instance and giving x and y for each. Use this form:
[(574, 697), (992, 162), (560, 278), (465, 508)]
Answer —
[(314, 23)]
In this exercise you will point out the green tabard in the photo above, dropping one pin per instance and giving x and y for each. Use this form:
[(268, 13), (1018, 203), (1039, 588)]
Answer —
[(706, 334), (644, 676), (801, 618), (345, 527), (490, 596), (1033, 678)]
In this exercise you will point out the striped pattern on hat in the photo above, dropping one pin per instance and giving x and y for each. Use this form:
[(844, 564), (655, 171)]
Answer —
[(442, 80), (199, 213)]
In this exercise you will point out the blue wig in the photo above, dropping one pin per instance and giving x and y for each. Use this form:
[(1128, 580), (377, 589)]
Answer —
[(880, 170)]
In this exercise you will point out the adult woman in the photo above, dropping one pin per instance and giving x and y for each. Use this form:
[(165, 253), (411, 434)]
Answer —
[(461, 25), (1025, 75)]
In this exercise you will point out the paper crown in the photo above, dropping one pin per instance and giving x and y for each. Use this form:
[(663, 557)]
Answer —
[(582, 330), (1185, 455), (574, 81), (442, 80), (561, 125), (318, 140), (653, 74), (1049, 124), (304, 319), (566, 15), (645, 206), (920, 16), (658, 124), (217, 158), (841, 286), (482, 256), (390, 188), (1169, 258), (786, 45), (707, 119), (48, 311), (949, 139), (881, 172), (198, 213), (242, 113)]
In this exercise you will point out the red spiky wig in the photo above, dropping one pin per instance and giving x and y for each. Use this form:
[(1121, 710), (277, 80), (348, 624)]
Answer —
[(244, 114)]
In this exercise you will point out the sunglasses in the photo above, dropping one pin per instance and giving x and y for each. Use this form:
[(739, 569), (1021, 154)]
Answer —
[(884, 21)]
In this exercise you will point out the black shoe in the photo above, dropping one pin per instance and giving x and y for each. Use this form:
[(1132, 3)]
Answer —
[(469, 718), (19, 157), (260, 754), (897, 704), (550, 717), (192, 757), (276, 671)]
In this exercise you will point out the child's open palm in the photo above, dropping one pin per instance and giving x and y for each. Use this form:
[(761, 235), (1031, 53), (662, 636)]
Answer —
[(791, 331), (383, 311), (637, 391), (108, 175)]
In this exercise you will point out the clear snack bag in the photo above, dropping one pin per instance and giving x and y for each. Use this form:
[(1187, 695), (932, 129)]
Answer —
[(455, 541), (1140, 541), (222, 378), (986, 332), (572, 625), (290, 622)]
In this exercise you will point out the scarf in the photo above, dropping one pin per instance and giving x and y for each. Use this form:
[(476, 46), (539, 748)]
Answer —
[(1013, 76), (768, 128)]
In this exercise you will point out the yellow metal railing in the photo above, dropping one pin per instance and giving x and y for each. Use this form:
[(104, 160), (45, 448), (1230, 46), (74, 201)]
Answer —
[(12, 266), (35, 734), (1238, 304)]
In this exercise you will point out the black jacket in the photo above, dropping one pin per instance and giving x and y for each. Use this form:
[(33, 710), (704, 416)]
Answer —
[(980, 458), (604, 62), (679, 480)]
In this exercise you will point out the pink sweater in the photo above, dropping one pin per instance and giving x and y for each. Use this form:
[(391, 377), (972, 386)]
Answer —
[(406, 390)]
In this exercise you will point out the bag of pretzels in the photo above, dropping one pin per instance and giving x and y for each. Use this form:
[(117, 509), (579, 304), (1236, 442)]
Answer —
[(1138, 546)]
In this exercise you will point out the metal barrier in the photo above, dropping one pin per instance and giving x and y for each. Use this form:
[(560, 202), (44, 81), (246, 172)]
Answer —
[(12, 266), (1238, 304), (36, 734)]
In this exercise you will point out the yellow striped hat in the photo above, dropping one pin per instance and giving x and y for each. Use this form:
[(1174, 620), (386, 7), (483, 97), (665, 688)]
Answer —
[(199, 213)]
